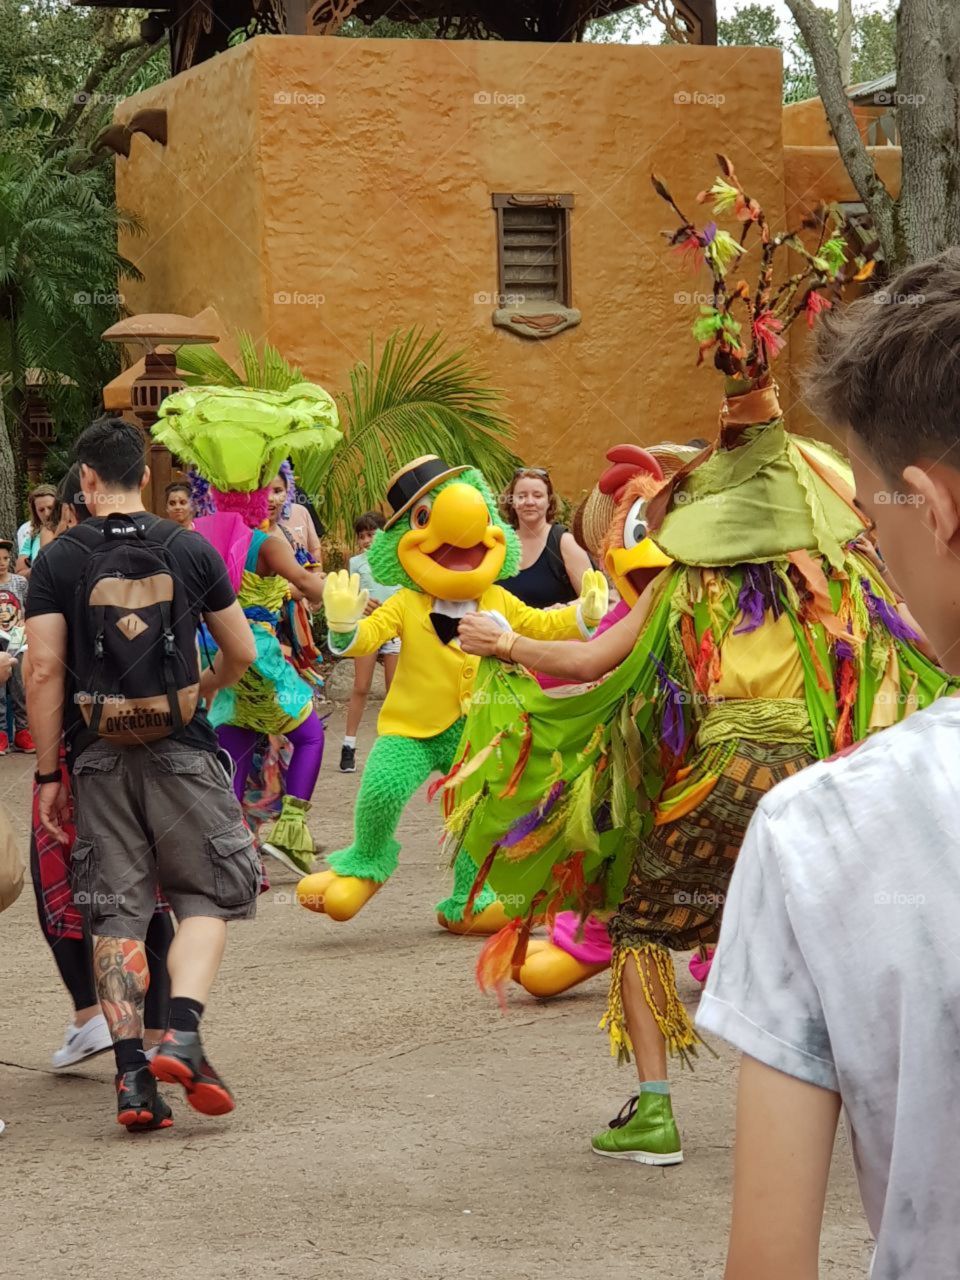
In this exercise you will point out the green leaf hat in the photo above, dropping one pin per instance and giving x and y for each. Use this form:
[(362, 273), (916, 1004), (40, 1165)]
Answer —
[(237, 437)]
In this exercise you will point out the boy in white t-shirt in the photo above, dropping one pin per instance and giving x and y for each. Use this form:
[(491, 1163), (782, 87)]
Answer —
[(838, 968), (365, 527)]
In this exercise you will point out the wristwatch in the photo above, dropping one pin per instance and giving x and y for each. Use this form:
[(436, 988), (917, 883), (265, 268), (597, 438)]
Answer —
[(42, 778)]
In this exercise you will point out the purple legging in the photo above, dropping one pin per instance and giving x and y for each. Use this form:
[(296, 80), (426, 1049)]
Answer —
[(304, 767)]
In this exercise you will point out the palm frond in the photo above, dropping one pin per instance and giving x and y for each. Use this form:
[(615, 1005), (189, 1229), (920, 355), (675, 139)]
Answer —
[(267, 372), (204, 366), (415, 399)]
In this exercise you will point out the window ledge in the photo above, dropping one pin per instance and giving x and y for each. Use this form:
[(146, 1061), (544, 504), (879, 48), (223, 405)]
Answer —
[(536, 319)]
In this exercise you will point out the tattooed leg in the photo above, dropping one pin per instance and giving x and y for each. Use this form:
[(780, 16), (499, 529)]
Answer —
[(122, 976)]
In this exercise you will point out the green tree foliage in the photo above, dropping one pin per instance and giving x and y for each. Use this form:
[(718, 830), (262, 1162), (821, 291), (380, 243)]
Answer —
[(752, 24), (412, 398), (62, 72), (874, 37), (630, 26)]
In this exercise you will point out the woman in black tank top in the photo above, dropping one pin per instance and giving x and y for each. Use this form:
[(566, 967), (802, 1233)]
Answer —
[(552, 564)]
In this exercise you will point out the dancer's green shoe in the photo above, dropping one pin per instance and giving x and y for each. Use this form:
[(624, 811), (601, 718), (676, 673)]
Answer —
[(289, 839), (644, 1131)]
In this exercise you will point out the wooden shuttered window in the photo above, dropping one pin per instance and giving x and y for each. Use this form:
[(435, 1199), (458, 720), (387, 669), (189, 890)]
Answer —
[(533, 248)]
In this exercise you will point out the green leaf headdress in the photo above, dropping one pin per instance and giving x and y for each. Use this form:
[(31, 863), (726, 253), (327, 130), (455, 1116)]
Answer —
[(237, 437)]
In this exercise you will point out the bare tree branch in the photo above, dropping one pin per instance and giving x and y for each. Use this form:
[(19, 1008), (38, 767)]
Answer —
[(819, 40), (108, 59)]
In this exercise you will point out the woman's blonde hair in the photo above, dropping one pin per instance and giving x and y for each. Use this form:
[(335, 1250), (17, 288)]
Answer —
[(41, 491), (506, 504)]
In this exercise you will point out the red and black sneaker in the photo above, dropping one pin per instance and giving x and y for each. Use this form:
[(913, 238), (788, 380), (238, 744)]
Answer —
[(139, 1106), (180, 1060)]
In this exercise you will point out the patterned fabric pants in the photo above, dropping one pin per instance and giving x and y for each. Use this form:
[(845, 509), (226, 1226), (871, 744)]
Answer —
[(677, 887), (681, 871)]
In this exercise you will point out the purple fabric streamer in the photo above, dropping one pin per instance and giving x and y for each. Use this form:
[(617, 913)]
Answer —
[(709, 234), (758, 593), (842, 650), (526, 825), (286, 473), (750, 602), (200, 498), (886, 614), (673, 729)]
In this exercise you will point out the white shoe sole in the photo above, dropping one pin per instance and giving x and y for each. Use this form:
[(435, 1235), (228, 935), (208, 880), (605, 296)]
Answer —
[(81, 1057), (283, 858), (642, 1157)]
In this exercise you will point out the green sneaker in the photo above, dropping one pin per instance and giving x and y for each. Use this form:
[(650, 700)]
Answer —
[(644, 1131)]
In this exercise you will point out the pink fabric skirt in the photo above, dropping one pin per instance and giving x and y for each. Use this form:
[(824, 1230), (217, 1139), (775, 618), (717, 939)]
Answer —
[(592, 948)]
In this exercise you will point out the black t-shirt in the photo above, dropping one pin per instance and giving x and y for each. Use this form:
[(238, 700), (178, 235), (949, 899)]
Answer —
[(544, 583), (55, 587)]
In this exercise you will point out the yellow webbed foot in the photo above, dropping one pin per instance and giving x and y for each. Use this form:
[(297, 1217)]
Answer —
[(310, 889), (549, 971), (490, 920), (339, 897)]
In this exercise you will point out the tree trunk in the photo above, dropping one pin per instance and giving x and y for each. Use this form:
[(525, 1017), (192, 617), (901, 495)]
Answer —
[(9, 481), (853, 152), (927, 218), (845, 38)]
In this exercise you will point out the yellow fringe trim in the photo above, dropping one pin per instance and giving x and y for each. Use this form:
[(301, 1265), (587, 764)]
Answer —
[(673, 1021), (459, 819)]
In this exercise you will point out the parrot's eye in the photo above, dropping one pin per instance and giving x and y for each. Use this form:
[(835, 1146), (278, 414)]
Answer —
[(635, 529), (420, 515)]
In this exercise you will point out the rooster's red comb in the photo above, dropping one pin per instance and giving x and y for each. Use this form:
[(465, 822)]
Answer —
[(628, 460)]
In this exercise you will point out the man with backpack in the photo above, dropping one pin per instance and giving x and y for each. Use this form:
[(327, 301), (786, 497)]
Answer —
[(112, 614)]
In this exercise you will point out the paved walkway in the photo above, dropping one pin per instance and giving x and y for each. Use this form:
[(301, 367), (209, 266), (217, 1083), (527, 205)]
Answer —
[(391, 1123)]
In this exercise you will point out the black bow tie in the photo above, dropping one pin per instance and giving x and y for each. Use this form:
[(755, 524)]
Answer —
[(445, 626)]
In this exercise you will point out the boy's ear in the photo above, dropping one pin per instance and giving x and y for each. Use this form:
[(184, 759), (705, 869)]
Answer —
[(936, 491)]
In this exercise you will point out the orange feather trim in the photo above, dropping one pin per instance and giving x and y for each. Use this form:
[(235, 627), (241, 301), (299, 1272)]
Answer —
[(526, 746), (495, 962), (435, 786), (480, 879)]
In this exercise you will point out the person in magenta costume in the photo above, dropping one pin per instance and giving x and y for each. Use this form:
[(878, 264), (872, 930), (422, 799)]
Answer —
[(236, 438)]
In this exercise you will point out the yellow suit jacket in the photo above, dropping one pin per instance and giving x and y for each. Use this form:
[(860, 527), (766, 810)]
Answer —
[(434, 681)]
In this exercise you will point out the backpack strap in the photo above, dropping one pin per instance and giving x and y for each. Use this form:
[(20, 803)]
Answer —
[(166, 621), (73, 535), (169, 653)]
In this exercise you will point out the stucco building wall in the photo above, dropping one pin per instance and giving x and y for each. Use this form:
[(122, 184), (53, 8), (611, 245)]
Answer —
[(322, 192)]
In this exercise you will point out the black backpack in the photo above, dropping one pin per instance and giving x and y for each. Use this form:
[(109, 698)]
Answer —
[(138, 676)]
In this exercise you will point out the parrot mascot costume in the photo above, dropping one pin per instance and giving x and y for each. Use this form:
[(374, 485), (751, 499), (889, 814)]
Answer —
[(444, 545)]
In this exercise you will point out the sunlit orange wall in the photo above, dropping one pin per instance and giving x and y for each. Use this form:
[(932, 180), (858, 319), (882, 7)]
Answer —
[(353, 177)]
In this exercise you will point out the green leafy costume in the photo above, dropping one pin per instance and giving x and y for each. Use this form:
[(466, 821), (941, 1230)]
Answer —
[(772, 641)]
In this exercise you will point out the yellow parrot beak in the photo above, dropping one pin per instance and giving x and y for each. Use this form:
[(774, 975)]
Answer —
[(459, 552), (633, 568), (459, 519)]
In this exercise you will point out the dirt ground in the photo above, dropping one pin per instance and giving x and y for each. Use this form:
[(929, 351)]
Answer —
[(391, 1123)]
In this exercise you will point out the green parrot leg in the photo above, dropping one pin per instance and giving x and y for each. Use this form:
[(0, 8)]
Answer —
[(395, 768), (464, 874)]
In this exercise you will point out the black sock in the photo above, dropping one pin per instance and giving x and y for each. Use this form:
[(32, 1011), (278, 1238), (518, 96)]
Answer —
[(185, 1014), (129, 1054)]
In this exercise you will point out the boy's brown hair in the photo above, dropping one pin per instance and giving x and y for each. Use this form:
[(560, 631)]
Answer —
[(889, 366)]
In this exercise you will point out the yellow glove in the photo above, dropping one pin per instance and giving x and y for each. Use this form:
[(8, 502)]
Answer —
[(594, 598), (343, 601)]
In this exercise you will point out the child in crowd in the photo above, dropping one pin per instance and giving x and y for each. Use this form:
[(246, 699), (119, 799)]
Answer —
[(13, 594), (365, 528), (837, 969), (178, 505)]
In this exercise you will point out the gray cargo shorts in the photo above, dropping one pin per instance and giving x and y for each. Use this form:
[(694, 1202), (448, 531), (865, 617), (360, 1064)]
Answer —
[(163, 814)]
